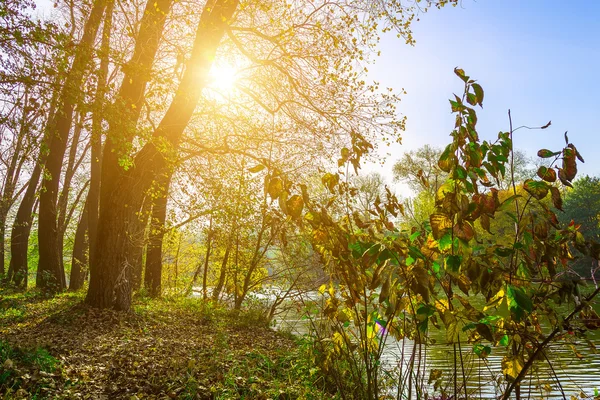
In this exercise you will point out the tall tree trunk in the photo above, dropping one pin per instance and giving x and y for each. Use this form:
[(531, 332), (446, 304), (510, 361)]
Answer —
[(103, 280), (120, 201), (153, 276), (96, 136), (19, 242), (80, 258), (21, 229), (11, 178), (63, 213), (50, 274)]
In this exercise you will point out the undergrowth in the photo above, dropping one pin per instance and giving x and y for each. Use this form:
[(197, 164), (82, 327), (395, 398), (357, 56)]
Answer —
[(59, 348)]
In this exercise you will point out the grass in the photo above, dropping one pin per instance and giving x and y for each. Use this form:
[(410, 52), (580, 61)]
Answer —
[(59, 348)]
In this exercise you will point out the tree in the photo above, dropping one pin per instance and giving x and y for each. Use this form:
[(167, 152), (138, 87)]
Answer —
[(420, 170), (29, 72), (325, 84), (582, 205), (369, 188), (50, 269)]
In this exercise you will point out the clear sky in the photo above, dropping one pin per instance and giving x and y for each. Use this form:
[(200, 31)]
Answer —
[(540, 58)]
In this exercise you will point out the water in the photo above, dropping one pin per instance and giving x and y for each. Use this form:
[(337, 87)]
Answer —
[(578, 377)]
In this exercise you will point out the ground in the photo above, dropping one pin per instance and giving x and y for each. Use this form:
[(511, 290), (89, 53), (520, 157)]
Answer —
[(60, 348)]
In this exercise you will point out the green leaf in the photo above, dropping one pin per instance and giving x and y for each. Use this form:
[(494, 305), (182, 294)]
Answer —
[(481, 350), (445, 242), (472, 99), (538, 189), (445, 161), (545, 153), (456, 106), (479, 93), (504, 341), (453, 263), (518, 301), (461, 74)]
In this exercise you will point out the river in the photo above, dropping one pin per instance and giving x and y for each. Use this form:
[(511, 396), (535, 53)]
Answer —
[(565, 375)]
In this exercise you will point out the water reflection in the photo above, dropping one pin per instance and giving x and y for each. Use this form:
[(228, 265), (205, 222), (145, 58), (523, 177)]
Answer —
[(562, 375)]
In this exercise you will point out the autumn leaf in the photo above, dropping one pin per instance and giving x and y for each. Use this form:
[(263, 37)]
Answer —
[(545, 153), (556, 198), (538, 189), (439, 223), (569, 164), (512, 365), (275, 187), (547, 174)]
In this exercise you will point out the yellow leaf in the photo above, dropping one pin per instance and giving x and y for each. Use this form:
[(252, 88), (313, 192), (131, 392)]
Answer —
[(322, 289), (512, 366)]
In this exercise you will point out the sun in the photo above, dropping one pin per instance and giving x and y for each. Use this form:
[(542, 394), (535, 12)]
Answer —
[(222, 77)]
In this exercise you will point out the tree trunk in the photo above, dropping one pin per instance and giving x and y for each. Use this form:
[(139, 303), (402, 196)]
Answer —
[(153, 277), (80, 258), (103, 276), (63, 213), (140, 243), (50, 274), (19, 239), (223, 273), (2, 233), (122, 198), (96, 136), (206, 259), (7, 198), (205, 264)]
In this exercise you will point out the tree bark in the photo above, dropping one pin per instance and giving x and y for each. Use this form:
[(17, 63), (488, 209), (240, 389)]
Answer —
[(63, 214), (96, 136), (130, 99), (79, 261), (120, 201), (50, 274), (153, 276), (19, 242), (140, 243)]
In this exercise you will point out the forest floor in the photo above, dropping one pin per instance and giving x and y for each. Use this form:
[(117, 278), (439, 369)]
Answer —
[(59, 348)]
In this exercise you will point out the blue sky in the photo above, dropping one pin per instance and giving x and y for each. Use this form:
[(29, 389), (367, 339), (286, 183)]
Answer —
[(539, 58)]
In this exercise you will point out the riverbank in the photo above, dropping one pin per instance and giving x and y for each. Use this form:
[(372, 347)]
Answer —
[(169, 348)]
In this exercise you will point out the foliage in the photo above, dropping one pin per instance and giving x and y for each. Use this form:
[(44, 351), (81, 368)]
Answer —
[(385, 281), (582, 205)]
